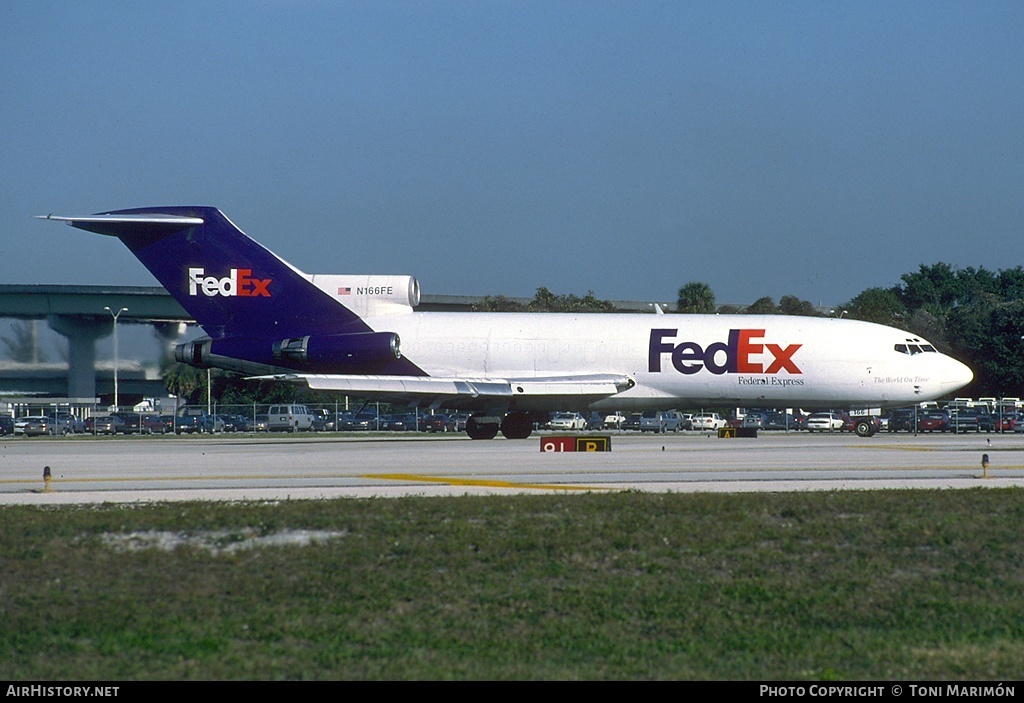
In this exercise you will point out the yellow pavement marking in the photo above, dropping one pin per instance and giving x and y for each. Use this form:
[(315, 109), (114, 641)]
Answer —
[(488, 484)]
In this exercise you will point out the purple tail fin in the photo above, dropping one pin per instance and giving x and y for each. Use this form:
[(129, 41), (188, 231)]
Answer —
[(231, 285)]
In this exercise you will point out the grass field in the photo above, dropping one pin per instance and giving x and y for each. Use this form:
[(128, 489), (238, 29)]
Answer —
[(841, 586)]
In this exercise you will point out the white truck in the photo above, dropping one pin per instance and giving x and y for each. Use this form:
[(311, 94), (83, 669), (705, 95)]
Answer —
[(289, 418)]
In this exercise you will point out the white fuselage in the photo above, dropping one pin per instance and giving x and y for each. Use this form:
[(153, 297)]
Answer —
[(687, 360)]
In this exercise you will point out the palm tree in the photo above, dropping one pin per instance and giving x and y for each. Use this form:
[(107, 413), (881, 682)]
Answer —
[(696, 297)]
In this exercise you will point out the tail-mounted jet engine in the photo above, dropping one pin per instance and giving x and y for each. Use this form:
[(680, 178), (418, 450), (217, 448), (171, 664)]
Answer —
[(339, 350), (361, 352)]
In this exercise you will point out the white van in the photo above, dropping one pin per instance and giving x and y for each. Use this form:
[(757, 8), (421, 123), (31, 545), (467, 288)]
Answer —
[(289, 418)]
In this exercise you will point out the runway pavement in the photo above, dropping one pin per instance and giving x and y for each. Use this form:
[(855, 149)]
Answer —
[(280, 467)]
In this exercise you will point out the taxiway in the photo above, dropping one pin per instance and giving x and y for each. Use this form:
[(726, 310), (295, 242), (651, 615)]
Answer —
[(245, 467)]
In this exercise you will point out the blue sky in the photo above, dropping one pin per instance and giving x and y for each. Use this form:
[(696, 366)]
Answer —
[(766, 148)]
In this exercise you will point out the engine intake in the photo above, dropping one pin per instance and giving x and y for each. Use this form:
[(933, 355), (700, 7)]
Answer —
[(195, 353)]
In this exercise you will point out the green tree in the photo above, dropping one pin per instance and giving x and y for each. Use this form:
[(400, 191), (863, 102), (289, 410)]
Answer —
[(181, 380), (696, 297), (933, 287), (792, 305), (881, 305), (498, 303), (987, 336), (762, 306), (546, 301)]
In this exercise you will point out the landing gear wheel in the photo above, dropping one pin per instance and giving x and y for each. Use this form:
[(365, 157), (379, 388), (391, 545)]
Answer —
[(481, 430), (864, 428), (516, 426)]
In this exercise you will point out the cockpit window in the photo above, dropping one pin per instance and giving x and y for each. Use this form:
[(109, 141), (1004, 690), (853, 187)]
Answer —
[(914, 346)]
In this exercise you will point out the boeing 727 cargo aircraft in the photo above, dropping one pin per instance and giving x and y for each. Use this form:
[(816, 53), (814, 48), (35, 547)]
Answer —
[(361, 335)]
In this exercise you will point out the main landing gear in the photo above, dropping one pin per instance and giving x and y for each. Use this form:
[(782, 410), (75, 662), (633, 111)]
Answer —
[(514, 425)]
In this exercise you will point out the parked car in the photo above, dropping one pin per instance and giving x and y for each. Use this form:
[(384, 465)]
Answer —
[(321, 419), (70, 424), (144, 424), (1008, 422), (708, 421), (258, 423), (198, 421), (781, 421), (568, 421), (232, 423), (6, 425), (108, 424), (933, 421), (963, 420), (901, 420), (632, 421), (756, 420), (405, 422), (986, 422), (613, 421), (659, 421), (36, 425), (437, 423), (825, 422), (361, 422)]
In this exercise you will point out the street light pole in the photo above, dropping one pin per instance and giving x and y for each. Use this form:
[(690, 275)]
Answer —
[(115, 315)]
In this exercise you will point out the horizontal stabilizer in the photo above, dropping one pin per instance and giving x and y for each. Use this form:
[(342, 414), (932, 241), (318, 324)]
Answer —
[(123, 224)]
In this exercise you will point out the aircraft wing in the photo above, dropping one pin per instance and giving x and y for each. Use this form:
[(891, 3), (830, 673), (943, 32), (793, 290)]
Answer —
[(469, 393)]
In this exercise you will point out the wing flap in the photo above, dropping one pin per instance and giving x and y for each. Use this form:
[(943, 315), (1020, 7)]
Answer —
[(546, 392)]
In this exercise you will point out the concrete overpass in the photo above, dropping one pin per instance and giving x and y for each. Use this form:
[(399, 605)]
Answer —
[(80, 314)]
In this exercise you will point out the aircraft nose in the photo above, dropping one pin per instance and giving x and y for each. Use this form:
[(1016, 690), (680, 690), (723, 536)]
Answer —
[(955, 375)]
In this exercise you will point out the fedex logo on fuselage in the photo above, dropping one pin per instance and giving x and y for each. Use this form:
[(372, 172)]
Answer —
[(238, 282), (743, 353)]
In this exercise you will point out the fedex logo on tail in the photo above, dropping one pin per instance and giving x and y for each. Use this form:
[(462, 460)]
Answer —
[(238, 282), (743, 353)]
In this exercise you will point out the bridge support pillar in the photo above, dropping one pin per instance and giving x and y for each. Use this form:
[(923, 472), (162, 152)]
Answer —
[(82, 333)]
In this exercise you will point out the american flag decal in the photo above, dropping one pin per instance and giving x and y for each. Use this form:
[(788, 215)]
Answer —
[(345, 291)]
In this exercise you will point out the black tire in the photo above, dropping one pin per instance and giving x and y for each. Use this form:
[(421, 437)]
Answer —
[(516, 426), (481, 430), (864, 428)]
